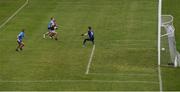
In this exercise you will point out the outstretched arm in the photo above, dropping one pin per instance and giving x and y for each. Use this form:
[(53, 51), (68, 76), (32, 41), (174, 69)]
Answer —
[(85, 34)]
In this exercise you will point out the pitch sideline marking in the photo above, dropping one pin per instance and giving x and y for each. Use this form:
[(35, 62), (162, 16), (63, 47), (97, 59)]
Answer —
[(14, 14), (99, 81), (90, 60), (160, 79)]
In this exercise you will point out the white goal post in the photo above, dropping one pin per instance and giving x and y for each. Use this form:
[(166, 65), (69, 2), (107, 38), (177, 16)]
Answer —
[(167, 52), (159, 30)]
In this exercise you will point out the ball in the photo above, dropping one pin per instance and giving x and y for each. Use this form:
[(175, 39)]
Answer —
[(163, 49)]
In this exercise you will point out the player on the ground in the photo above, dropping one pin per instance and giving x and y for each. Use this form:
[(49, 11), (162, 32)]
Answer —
[(90, 37), (19, 40)]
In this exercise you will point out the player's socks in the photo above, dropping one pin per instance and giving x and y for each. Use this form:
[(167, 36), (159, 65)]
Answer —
[(44, 36)]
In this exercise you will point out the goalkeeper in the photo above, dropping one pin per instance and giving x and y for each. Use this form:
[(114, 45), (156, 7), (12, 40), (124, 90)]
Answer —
[(90, 37)]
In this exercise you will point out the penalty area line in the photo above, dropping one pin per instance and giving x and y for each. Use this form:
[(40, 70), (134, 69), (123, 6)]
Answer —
[(90, 60), (14, 14)]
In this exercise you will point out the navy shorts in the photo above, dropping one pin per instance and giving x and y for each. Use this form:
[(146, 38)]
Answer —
[(19, 41)]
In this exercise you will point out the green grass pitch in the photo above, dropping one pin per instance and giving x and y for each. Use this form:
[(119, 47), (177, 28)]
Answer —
[(170, 76), (125, 53)]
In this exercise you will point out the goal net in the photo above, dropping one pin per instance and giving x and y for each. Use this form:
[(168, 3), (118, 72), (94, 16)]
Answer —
[(169, 53)]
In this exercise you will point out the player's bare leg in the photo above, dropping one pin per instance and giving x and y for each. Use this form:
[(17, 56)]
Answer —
[(56, 34), (18, 46), (21, 46), (51, 34)]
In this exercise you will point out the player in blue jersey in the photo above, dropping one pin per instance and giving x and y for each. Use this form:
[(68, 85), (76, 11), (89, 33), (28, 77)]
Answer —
[(53, 33), (52, 26), (19, 40), (90, 37)]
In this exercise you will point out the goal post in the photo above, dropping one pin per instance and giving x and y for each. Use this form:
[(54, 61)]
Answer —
[(167, 52), (159, 30)]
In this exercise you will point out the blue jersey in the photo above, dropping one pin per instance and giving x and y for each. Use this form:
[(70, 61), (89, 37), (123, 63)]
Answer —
[(91, 34), (49, 25), (20, 36)]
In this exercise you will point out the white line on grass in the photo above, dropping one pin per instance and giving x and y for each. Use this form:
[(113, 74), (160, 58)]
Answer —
[(97, 81), (160, 79), (14, 14), (90, 60), (119, 74)]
